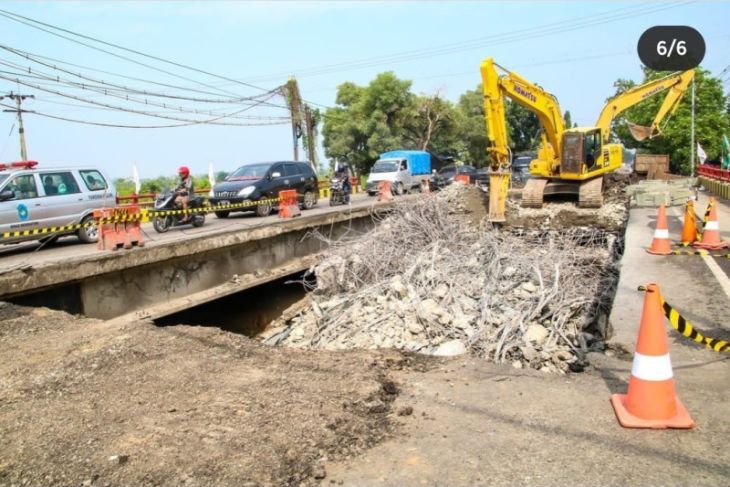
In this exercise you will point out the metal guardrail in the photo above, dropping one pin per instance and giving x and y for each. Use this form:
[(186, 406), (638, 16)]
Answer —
[(713, 173), (136, 199)]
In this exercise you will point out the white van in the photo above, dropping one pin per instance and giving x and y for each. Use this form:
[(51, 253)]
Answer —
[(32, 197), (403, 168)]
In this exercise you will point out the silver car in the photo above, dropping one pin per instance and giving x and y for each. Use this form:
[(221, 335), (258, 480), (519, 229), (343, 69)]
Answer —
[(32, 198)]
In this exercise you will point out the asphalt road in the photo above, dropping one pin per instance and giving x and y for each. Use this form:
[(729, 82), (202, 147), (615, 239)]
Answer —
[(34, 253)]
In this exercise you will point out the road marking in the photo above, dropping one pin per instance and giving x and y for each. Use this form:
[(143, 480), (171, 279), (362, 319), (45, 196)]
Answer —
[(720, 276), (718, 273)]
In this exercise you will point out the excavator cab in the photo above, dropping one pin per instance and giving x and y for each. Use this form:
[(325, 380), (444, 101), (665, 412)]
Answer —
[(581, 152)]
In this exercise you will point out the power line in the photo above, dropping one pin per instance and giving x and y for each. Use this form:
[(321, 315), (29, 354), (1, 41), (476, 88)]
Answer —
[(32, 58), (93, 107), (213, 121), (557, 27), (8, 15), (114, 92), (114, 125), (16, 17), (29, 55)]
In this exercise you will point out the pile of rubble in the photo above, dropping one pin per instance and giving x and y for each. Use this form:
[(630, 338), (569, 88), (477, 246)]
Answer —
[(425, 280), (611, 217)]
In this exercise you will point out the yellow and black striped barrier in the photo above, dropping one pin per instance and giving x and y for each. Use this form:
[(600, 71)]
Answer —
[(44, 231), (209, 209), (683, 326), (143, 216)]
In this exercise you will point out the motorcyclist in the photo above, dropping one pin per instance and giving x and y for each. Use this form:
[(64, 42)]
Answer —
[(184, 190), (343, 173)]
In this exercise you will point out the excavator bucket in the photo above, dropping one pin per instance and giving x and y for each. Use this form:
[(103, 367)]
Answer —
[(639, 132)]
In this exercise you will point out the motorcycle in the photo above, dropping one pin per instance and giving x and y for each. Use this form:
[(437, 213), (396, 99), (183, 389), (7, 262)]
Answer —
[(166, 202), (338, 194)]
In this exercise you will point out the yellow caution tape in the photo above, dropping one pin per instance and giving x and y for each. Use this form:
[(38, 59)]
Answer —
[(42, 231), (683, 326), (211, 209), (143, 215)]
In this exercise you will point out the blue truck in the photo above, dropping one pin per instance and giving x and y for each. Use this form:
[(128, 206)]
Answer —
[(403, 168)]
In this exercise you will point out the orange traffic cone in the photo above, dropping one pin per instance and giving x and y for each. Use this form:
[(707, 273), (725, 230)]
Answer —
[(689, 231), (425, 186), (711, 232), (288, 205), (384, 193), (661, 245), (651, 401)]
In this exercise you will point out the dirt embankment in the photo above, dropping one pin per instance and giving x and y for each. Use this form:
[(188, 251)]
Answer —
[(83, 402)]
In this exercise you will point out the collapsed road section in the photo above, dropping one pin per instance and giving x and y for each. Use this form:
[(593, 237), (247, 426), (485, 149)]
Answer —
[(157, 280), (432, 278)]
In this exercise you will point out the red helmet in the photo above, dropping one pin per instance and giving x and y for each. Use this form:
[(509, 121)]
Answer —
[(184, 171)]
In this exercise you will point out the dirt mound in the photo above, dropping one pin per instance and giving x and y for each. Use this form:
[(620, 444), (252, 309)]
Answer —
[(611, 217), (84, 402)]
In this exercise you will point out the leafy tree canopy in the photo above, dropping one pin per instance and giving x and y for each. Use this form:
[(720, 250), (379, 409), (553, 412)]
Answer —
[(711, 120)]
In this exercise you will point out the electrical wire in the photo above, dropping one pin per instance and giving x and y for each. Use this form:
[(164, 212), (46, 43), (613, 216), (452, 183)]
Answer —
[(213, 121), (8, 15), (115, 125), (93, 107), (112, 92), (128, 89), (28, 21), (118, 75), (553, 28)]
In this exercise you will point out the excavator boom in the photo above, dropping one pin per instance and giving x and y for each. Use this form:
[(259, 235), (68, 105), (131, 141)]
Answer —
[(676, 83), (495, 88)]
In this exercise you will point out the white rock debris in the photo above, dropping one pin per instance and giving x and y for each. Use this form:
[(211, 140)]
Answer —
[(426, 281)]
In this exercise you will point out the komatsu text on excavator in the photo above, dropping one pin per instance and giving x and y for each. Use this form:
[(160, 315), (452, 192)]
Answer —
[(569, 160)]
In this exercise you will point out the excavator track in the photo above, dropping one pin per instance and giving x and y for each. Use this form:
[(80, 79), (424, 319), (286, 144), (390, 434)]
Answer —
[(533, 193), (591, 193)]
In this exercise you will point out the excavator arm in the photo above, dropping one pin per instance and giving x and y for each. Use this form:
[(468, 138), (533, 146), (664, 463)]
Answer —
[(525, 93), (496, 87), (676, 83)]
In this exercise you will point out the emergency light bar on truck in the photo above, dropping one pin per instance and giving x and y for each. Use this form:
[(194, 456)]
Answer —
[(18, 165)]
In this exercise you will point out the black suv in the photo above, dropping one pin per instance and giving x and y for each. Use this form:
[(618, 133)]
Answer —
[(263, 181), (446, 175)]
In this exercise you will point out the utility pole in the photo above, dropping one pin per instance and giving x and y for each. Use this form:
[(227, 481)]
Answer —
[(21, 131), (692, 132)]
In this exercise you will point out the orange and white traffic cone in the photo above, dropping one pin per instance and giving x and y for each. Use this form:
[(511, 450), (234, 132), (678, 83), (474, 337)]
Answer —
[(711, 232), (689, 231), (661, 245), (651, 400), (384, 193)]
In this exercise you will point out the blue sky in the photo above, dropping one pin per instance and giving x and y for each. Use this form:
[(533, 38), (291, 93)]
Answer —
[(265, 42)]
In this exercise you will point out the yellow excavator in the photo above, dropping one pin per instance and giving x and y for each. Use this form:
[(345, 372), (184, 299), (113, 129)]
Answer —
[(569, 160)]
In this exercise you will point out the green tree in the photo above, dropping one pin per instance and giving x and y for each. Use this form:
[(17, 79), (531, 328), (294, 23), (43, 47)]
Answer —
[(711, 121), (470, 118), (434, 126), (368, 120), (567, 119), (523, 127)]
